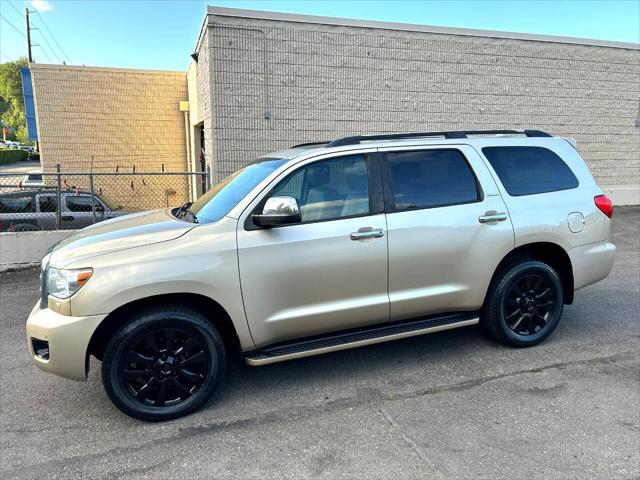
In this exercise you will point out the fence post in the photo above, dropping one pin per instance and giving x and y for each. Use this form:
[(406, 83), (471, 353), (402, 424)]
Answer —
[(207, 178), (93, 198), (59, 194)]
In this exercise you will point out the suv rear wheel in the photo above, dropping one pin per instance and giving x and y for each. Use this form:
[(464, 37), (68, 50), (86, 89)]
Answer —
[(163, 364), (524, 304)]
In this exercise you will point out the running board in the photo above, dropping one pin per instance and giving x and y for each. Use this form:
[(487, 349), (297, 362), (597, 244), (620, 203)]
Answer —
[(318, 345)]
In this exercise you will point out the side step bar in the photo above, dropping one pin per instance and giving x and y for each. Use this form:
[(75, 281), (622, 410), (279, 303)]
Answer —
[(358, 338)]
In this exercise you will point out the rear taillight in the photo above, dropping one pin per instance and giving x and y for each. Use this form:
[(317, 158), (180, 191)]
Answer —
[(604, 204)]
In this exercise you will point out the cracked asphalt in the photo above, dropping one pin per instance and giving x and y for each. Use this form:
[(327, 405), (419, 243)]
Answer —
[(448, 405)]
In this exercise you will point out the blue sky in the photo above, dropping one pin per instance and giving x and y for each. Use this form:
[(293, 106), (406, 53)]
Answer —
[(161, 34)]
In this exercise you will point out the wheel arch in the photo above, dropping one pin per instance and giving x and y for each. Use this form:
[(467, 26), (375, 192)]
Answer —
[(550, 253), (208, 307)]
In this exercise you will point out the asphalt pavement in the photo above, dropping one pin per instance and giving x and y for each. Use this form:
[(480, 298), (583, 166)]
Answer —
[(447, 405)]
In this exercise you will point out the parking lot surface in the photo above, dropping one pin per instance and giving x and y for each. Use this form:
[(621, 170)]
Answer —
[(448, 405)]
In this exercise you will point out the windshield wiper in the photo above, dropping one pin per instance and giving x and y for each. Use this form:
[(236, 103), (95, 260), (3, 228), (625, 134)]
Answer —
[(185, 210)]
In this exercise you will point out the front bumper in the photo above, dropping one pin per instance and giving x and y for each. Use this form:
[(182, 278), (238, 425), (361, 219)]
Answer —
[(67, 339)]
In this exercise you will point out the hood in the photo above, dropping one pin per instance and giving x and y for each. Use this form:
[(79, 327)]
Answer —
[(119, 233)]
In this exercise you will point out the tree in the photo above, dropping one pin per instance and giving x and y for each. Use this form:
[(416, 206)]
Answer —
[(11, 99)]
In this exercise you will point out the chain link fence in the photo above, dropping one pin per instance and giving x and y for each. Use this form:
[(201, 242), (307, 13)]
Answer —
[(69, 199)]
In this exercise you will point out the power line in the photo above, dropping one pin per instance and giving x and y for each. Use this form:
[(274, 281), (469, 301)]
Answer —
[(44, 51), (11, 25), (48, 30), (15, 8), (53, 52)]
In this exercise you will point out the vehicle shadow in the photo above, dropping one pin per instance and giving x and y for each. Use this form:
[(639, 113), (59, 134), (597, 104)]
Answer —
[(381, 366)]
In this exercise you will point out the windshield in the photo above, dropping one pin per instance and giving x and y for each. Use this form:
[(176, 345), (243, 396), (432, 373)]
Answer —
[(222, 197)]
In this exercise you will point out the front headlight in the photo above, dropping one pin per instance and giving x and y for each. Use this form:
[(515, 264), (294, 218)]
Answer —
[(64, 283)]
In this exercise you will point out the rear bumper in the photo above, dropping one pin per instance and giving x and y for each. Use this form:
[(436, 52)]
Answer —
[(591, 263), (61, 341)]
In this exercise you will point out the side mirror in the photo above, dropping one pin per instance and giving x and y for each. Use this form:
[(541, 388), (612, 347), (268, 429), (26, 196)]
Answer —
[(99, 208), (278, 211)]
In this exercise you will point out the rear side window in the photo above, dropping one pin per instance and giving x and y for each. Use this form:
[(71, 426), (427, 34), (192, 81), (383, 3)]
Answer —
[(530, 170), (48, 203), (431, 178)]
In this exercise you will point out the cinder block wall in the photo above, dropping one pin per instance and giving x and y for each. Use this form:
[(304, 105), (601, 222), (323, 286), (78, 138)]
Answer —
[(101, 119), (326, 81)]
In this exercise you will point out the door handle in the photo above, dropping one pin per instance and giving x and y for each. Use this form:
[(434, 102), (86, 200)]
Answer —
[(67, 218), (367, 232), (492, 216)]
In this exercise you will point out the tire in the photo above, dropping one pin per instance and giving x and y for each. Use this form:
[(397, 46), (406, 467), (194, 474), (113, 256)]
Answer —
[(163, 364), (524, 304)]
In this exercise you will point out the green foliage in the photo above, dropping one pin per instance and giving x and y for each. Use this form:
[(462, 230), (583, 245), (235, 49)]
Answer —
[(8, 155), (11, 100)]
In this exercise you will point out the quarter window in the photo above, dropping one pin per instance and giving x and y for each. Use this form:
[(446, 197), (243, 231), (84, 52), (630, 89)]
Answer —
[(329, 189), (431, 178), (530, 170)]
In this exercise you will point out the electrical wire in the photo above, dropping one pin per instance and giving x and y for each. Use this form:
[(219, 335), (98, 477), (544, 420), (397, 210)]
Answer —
[(45, 52), (12, 25), (42, 35), (53, 52), (48, 30), (15, 8)]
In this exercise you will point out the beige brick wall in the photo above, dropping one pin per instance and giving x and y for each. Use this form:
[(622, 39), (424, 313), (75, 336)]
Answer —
[(101, 119), (328, 81)]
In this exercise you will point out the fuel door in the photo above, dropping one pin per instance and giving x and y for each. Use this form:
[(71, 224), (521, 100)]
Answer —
[(576, 222)]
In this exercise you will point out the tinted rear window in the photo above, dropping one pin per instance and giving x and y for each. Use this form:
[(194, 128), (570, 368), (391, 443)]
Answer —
[(431, 178), (530, 170), (17, 205)]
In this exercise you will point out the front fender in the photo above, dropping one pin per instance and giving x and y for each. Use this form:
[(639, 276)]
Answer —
[(198, 263)]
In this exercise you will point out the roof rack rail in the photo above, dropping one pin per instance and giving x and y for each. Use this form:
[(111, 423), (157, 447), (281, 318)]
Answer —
[(310, 144), (448, 135)]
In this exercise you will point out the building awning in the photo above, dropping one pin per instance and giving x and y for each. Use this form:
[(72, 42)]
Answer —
[(29, 104)]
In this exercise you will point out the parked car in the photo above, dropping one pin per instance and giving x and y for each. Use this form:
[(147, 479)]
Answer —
[(27, 148), (320, 248), (29, 210)]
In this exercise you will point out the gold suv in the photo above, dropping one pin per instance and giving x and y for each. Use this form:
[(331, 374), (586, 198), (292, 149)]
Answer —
[(320, 248)]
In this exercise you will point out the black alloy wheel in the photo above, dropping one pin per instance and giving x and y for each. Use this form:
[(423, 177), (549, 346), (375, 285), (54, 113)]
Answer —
[(524, 304), (529, 303), (166, 367), (164, 363)]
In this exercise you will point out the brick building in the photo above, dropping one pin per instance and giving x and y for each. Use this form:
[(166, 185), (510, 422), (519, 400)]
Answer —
[(113, 119), (260, 81)]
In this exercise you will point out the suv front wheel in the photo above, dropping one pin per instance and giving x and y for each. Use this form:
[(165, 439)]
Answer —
[(524, 304), (165, 363)]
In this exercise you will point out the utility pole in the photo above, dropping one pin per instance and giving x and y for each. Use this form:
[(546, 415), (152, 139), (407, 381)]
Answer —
[(26, 16), (29, 55)]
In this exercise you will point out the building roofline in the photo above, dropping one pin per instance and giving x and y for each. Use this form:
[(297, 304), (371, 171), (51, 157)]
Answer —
[(410, 27), (55, 66), (203, 27)]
